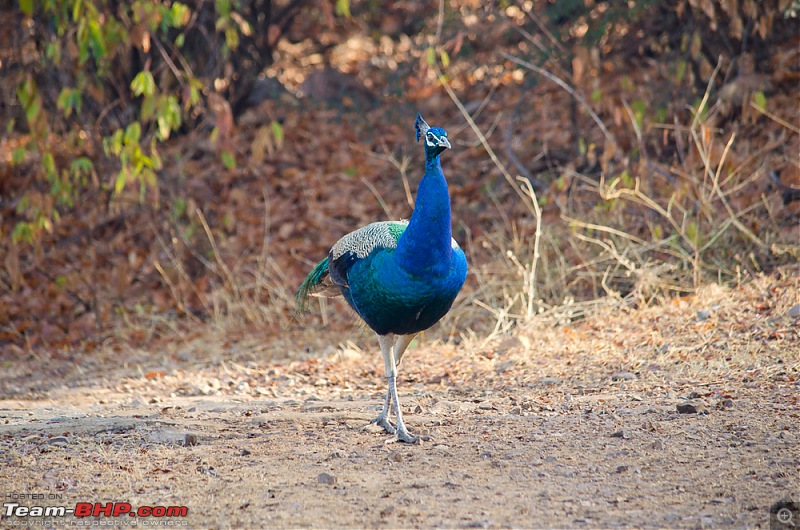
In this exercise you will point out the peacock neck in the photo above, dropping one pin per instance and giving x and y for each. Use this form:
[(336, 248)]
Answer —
[(425, 246)]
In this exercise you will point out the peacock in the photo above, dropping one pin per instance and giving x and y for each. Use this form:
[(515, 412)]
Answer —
[(400, 277)]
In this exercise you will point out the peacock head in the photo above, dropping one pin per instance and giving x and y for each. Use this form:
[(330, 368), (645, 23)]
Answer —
[(435, 137)]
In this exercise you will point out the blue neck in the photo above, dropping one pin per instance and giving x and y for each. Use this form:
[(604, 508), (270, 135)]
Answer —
[(425, 247)]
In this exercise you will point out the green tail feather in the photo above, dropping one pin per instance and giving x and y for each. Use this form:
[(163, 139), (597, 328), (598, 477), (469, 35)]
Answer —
[(312, 283)]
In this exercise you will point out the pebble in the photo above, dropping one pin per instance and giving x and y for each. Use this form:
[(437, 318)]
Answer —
[(189, 439), (394, 456), (692, 407), (625, 435), (547, 381), (622, 469), (624, 375), (703, 315), (726, 403), (794, 311), (325, 478), (658, 445), (244, 452), (59, 441)]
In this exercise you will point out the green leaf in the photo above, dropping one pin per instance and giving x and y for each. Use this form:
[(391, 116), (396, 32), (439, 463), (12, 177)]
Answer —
[(597, 95), (228, 160), (23, 232), (693, 233), (168, 116), (445, 58), (223, 8), (113, 144), (49, 165), (32, 112), (68, 100), (148, 108), (277, 132), (132, 133), (76, 10), (680, 71), (98, 42), (180, 39), (431, 55), (179, 15), (760, 100), (626, 179), (232, 38), (18, 155), (53, 52), (143, 84), (119, 183), (26, 6), (343, 8), (639, 108), (178, 208), (81, 165)]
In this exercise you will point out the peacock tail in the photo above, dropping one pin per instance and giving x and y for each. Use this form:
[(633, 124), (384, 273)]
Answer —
[(314, 284)]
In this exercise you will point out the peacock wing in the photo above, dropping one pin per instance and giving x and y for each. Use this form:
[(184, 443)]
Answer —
[(359, 244)]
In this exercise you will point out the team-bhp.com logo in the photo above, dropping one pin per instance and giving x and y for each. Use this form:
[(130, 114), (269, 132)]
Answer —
[(94, 509)]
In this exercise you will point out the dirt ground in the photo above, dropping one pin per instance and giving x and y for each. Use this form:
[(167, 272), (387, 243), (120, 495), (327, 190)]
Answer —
[(682, 415)]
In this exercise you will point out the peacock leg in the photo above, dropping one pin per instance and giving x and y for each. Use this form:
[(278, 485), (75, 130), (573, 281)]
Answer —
[(400, 347), (402, 434), (383, 418), (391, 361)]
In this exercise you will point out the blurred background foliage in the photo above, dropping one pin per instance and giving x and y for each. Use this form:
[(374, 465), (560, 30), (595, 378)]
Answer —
[(181, 158)]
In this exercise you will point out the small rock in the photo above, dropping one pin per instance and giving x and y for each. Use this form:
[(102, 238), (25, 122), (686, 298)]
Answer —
[(478, 524), (208, 471), (794, 311), (625, 435), (417, 410), (325, 478), (516, 411), (189, 439), (487, 405), (624, 375), (622, 469), (703, 315), (692, 407), (726, 403), (59, 441), (693, 395), (244, 452), (547, 381), (394, 456), (658, 445)]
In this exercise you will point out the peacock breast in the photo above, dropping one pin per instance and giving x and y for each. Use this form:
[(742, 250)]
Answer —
[(392, 300)]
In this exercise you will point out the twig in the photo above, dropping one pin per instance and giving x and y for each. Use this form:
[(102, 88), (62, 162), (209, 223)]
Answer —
[(775, 118), (377, 195)]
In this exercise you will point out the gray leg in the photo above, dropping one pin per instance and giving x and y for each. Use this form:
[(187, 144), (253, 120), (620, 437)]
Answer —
[(400, 346), (383, 418), (396, 353), (402, 434)]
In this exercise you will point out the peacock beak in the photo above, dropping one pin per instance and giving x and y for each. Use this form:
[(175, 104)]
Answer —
[(444, 143)]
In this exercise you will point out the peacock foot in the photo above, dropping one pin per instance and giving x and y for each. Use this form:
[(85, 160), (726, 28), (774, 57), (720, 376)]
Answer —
[(404, 436), (381, 421)]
